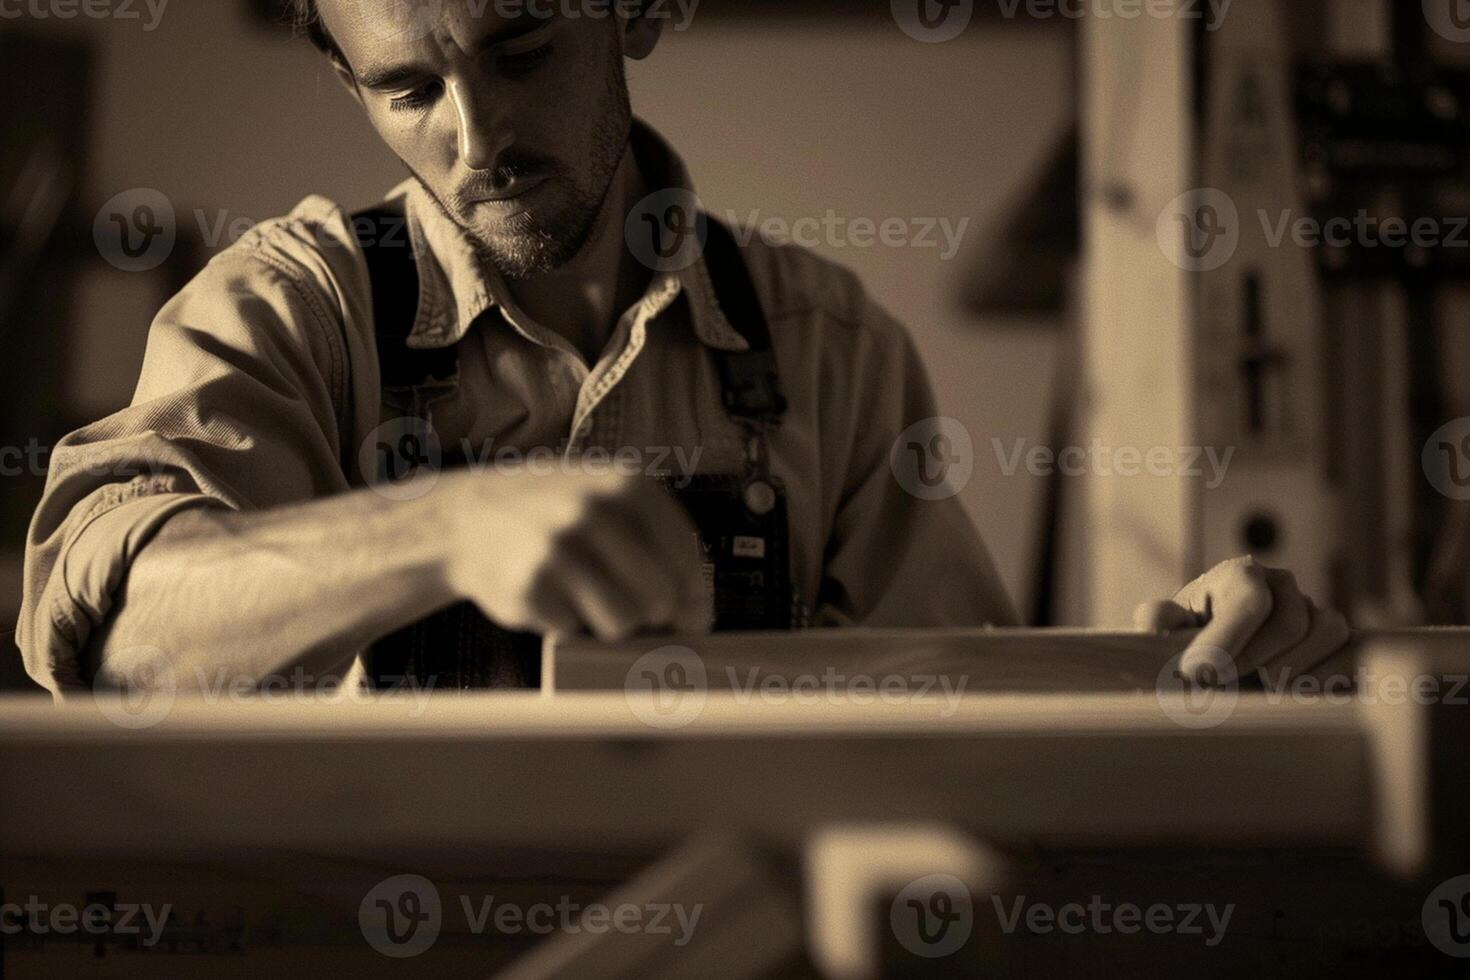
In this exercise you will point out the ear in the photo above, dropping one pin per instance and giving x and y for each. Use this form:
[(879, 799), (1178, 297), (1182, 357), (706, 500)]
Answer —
[(641, 32)]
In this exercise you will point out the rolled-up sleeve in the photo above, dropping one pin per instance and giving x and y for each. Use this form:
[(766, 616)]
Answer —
[(240, 404), (896, 557)]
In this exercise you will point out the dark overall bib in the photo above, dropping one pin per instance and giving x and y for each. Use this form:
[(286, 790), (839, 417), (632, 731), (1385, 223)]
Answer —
[(741, 519)]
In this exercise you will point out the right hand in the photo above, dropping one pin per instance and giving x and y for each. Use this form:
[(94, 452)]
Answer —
[(600, 553)]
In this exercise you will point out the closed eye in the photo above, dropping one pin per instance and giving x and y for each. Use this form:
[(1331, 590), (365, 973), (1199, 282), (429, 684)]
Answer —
[(417, 99)]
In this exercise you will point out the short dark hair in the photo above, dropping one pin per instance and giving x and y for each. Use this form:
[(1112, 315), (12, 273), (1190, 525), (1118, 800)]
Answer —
[(304, 17)]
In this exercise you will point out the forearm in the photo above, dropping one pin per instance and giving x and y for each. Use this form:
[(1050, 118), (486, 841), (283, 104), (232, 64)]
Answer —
[(221, 595)]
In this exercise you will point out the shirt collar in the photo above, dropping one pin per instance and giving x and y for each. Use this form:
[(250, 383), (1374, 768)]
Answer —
[(456, 287)]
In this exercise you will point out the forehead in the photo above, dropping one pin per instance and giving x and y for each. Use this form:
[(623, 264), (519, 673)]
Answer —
[(379, 32)]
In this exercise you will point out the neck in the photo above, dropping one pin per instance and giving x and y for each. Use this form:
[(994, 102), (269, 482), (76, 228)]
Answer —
[(584, 299)]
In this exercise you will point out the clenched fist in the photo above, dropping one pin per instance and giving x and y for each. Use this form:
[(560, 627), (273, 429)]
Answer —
[(601, 553)]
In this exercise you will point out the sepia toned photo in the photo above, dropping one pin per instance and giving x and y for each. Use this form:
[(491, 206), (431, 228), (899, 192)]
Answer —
[(734, 489)]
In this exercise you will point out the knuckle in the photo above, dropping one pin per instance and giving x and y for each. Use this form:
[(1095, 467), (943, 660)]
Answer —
[(1253, 601), (1283, 579), (561, 546), (1247, 583)]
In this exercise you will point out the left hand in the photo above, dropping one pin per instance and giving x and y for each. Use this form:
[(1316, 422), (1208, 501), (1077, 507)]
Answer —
[(1249, 617)]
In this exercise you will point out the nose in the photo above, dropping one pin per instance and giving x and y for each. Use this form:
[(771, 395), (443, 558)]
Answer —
[(483, 131)]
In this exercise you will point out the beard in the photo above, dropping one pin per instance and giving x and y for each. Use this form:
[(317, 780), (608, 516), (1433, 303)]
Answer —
[(533, 243)]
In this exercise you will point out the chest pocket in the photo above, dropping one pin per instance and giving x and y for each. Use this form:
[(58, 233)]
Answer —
[(742, 519)]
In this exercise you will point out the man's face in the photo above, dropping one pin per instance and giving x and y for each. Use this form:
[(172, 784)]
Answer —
[(515, 124)]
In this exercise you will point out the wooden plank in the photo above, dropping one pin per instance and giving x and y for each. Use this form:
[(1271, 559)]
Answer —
[(599, 772), (964, 660), (750, 915), (591, 772)]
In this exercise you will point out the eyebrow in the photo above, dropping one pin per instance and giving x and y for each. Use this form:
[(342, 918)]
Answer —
[(387, 76)]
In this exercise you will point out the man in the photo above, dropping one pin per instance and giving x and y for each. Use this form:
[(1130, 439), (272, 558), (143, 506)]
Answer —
[(250, 541)]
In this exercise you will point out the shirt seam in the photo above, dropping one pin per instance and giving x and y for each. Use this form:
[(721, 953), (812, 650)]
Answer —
[(335, 338)]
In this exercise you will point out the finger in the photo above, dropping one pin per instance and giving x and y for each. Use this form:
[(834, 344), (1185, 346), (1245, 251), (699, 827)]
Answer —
[(552, 611), (1327, 633), (673, 534), (1164, 616), (1239, 603), (644, 575), (1286, 627), (603, 603)]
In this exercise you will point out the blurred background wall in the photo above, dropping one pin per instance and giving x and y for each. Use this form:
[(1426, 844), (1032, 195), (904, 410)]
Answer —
[(788, 114)]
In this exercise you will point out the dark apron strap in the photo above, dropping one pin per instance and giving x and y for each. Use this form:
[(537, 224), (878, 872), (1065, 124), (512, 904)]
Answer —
[(750, 383), (455, 648)]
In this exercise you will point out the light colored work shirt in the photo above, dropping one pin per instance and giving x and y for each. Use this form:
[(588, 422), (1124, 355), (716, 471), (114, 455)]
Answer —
[(260, 387)]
